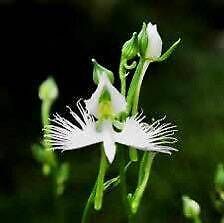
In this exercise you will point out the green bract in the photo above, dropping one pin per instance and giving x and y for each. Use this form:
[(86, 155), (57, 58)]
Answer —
[(168, 53), (99, 70)]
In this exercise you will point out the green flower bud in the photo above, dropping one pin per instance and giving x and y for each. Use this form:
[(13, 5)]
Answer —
[(99, 70), (48, 90), (143, 40), (219, 178), (191, 208), (130, 47)]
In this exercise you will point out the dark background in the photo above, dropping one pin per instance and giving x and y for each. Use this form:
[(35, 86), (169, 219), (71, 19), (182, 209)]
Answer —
[(58, 38)]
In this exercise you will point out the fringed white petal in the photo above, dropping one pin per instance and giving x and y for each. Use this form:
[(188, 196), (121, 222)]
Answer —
[(64, 135), (155, 137), (108, 141), (117, 99)]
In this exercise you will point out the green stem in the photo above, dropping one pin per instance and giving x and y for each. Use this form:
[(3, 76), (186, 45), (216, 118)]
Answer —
[(123, 88), (89, 202), (122, 75), (197, 219), (133, 96), (96, 195), (138, 88), (100, 181), (134, 83), (45, 111), (122, 178), (144, 176), (110, 183), (45, 114), (123, 168)]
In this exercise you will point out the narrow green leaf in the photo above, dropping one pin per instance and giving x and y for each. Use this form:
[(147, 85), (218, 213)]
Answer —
[(168, 53)]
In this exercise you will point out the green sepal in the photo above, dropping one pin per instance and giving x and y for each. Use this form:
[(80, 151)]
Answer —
[(99, 70), (167, 54), (48, 90), (143, 40), (130, 47)]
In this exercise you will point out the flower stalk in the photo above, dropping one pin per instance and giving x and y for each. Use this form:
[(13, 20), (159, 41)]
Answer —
[(144, 173), (45, 112), (100, 181), (86, 212), (122, 74), (133, 85), (133, 96)]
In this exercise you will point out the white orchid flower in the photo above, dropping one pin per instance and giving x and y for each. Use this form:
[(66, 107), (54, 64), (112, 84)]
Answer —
[(85, 131), (154, 48)]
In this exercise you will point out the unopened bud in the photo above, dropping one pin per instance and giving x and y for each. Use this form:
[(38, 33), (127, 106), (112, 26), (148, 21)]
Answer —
[(191, 208), (48, 90), (154, 46), (130, 47)]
